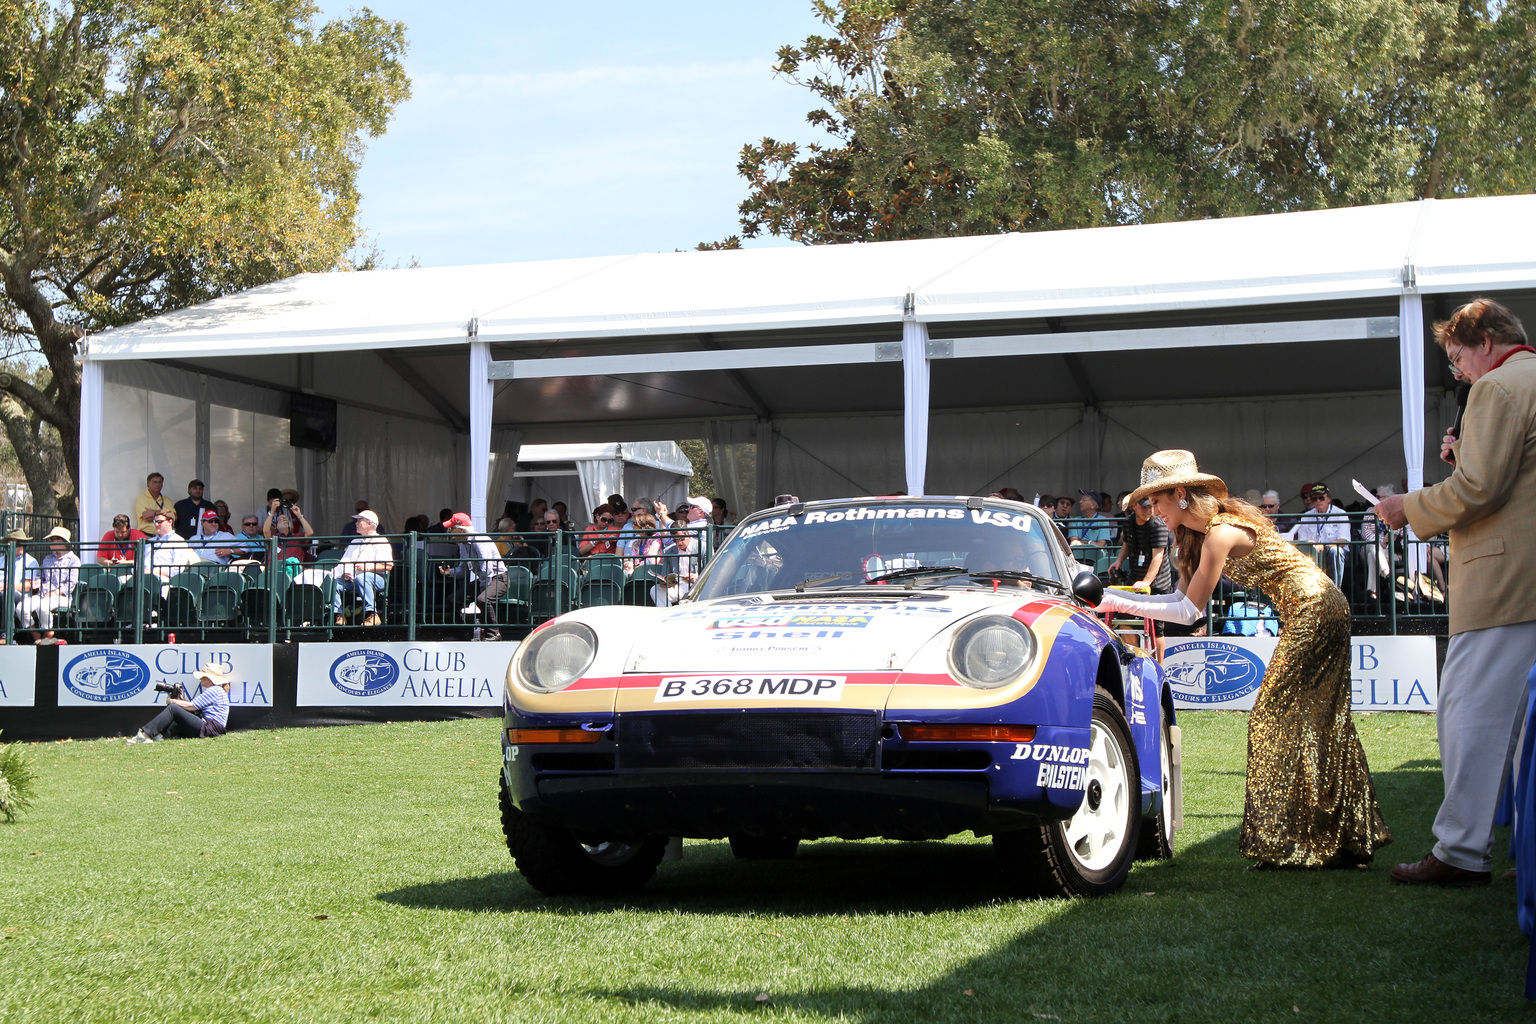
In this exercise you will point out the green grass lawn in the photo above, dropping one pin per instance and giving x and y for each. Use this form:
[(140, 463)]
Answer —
[(358, 874)]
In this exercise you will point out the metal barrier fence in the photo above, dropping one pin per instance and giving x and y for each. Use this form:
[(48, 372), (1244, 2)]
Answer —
[(267, 590), (438, 585), (1395, 582)]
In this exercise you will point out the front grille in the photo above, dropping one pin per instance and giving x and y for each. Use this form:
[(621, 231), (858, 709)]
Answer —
[(747, 739)]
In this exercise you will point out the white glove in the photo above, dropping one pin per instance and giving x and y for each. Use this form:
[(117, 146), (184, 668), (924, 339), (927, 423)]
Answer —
[(1174, 607)]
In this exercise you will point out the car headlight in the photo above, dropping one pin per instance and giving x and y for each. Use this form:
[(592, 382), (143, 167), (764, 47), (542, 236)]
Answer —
[(554, 658), (991, 651)]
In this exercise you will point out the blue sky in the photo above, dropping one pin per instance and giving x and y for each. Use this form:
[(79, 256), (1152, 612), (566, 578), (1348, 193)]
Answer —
[(541, 131)]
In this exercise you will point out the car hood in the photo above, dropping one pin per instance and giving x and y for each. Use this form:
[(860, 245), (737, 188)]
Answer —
[(807, 633)]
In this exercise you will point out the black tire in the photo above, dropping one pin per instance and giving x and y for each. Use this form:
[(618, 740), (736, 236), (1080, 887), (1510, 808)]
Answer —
[(764, 847), (558, 863), (1044, 860), (1157, 832)]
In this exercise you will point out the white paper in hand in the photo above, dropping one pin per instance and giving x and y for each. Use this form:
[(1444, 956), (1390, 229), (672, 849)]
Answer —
[(1361, 490)]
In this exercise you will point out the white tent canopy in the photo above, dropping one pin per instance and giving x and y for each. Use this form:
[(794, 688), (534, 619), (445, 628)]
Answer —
[(652, 469), (944, 341)]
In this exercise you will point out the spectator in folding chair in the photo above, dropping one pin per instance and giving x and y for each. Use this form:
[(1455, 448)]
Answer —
[(645, 544), (166, 553), (22, 579), (116, 550), (683, 564), (250, 544), (58, 575), (364, 570), (478, 560), (213, 543)]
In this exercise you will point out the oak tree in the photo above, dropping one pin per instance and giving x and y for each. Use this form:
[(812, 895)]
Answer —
[(975, 116), (158, 153)]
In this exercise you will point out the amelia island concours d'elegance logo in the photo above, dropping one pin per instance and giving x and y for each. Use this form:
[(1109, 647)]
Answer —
[(1213, 671), (105, 675), (364, 672)]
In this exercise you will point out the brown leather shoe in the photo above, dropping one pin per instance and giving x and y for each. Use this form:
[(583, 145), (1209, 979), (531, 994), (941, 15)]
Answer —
[(1434, 871), (371, 619)]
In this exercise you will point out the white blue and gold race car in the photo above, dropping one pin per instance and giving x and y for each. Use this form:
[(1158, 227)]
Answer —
[(907, 668)]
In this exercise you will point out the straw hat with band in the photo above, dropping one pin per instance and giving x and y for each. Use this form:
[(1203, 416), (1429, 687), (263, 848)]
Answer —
[(1173, 468), (17, 534), (212, 673)]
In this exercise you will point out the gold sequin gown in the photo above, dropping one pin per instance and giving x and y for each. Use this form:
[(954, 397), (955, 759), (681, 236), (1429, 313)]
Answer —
[(1310, 799)]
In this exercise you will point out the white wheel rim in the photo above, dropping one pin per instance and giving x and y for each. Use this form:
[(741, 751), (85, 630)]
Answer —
[(1096, 834)]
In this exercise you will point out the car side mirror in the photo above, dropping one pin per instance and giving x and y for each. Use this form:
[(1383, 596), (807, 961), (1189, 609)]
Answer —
[(1088, 587)]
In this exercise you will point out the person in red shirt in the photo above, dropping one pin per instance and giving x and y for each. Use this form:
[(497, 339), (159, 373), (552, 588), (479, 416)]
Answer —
[(117, 543), (601, 537)]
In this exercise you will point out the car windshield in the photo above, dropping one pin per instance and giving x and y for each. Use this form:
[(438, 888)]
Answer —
[(852, 544)]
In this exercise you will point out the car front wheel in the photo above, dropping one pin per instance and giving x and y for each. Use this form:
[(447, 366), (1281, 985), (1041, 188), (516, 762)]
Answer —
[(1090, 853), (559, 862)]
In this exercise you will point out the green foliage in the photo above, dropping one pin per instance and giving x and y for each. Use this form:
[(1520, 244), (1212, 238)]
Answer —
[(703, 482), (158, 153), (18, 782), (977, 116)]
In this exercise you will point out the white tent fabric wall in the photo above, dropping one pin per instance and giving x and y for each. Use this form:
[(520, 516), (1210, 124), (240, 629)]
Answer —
[(505, 442), (401, 466), (726, 445), (831, 456), (146, 432), (599, 478)]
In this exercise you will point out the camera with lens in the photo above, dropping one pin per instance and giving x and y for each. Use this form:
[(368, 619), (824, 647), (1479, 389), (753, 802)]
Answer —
[(174, 689)]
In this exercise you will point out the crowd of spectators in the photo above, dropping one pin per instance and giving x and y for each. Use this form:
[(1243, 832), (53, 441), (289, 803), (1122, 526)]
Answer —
[(641, 536)]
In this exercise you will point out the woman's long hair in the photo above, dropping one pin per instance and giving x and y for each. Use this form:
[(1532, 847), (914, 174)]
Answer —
[(1207, 506)]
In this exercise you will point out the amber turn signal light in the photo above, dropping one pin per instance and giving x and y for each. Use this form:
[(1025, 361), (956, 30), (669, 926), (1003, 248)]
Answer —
[(970, 733), (552, 736)]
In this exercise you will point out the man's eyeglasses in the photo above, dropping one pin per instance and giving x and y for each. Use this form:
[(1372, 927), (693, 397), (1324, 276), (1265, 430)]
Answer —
[(638, 508), (249, 522)]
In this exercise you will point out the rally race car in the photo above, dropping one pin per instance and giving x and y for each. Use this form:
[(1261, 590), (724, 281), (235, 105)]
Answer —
[(906, 668)]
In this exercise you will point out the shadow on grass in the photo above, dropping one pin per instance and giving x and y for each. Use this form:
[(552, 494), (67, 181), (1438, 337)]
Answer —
[(1195, 938)]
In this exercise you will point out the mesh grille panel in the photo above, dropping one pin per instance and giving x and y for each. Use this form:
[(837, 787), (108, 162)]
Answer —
[(755, 739)]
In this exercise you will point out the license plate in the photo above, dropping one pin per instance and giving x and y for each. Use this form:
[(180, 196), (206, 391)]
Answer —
[(740, 688)]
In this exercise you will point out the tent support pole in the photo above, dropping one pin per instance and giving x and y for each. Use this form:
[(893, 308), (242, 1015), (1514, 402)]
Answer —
[(915, 373), (481, 394), (92, 407), (1410, 321)]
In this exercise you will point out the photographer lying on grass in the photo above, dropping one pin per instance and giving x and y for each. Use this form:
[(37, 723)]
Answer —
[(204, 715)]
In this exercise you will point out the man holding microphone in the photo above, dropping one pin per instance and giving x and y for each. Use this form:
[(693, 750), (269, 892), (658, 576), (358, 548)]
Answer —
[(1485, 507)]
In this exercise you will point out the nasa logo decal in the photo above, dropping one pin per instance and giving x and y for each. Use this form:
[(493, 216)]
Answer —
[(364, 672), (1213, 671), (105, 675)]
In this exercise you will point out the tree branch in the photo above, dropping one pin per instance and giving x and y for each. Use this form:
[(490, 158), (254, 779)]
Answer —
[(45, 407)]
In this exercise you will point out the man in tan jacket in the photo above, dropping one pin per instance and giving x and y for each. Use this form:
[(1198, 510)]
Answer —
[(1486, 507)]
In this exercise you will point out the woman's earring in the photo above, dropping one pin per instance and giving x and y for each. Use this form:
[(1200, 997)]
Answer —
[(1183, 503)]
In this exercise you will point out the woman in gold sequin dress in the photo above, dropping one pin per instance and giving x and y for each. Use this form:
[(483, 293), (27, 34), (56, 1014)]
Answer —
[(1310, 802)]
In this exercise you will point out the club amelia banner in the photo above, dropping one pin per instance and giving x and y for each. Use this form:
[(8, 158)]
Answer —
[(1387, 673), (18, 676), (468, 675), (126, 674)]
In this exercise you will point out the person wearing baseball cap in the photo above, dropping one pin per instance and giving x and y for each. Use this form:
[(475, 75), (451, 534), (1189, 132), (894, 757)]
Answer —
[(363, 570), (1310, 800), (1325, 526), (479, 561), (206, 714), (213, 543)]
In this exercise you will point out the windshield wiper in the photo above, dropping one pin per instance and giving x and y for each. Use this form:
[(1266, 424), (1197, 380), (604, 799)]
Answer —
[(913, 571), (910, 571), (1019, 574)]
